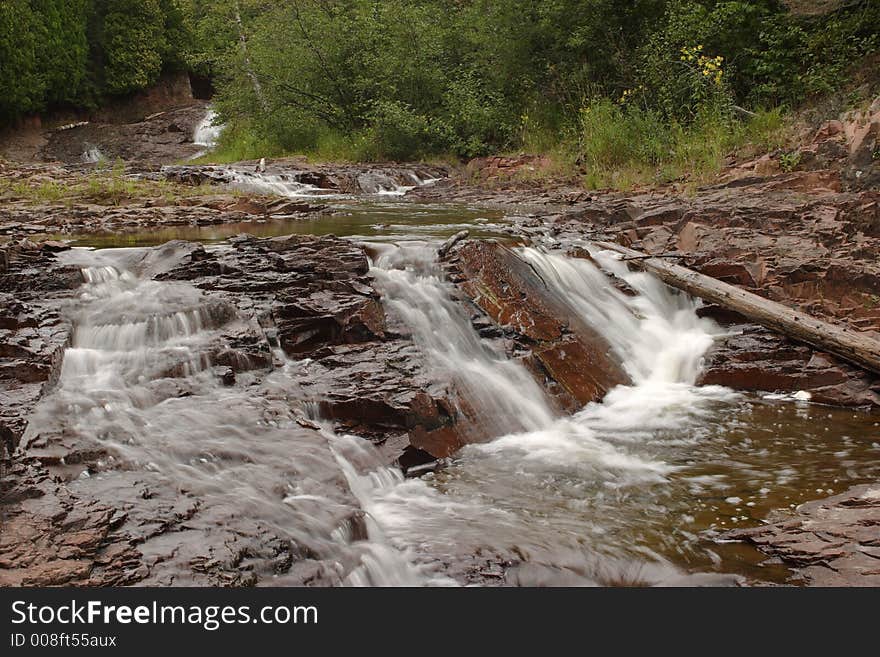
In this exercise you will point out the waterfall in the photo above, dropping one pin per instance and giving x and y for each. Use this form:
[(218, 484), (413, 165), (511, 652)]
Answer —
[(492, 487), (208, 132), (502, 393), (272, 184), (655, 332), (137, 381), (92, 155)]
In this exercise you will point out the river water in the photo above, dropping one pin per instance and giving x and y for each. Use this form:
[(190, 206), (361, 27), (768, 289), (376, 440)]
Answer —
[(631, 490)]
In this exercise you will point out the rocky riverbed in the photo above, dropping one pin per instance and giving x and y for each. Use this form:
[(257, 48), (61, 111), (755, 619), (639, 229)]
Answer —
[(309, 309)]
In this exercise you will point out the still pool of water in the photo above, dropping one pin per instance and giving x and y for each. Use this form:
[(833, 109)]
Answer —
[(388, 221)]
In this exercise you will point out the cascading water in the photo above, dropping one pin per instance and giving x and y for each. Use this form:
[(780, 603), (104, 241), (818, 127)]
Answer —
[(92, 154), (503, 394), (656, 334), (208, 131), (273, 184), (137, 384), (623, 490)]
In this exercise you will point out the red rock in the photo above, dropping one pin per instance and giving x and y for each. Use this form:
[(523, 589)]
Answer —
[(570, 352)]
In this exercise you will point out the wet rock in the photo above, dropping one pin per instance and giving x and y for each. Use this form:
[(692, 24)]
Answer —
[(563, 349), (446, 247), (312, 298), (755, 359), (829, 542), (51, 537), (164, 136), (33, 333), (863, 135)]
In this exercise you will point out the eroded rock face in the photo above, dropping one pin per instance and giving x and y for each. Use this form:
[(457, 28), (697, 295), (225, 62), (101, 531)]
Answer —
[(33, 333), (831, 542), (312, 297), (862, 131), (564, 353), (164, 136)]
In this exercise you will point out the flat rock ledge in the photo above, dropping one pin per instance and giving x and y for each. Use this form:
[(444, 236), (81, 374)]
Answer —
[(829, 542)]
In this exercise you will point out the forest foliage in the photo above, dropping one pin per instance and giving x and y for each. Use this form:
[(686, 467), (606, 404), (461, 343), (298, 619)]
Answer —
[(76, 53), (368, 79)]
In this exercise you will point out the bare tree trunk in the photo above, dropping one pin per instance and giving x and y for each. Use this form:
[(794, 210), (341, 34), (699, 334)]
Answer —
[(849, 345), (249, 69)]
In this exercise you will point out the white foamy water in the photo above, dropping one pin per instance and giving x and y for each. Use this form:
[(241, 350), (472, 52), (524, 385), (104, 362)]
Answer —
[(503, 393), (655, 334), (92, 155), (374, 183), (208, 131), (272, 184), (137, 381), (619, 491)]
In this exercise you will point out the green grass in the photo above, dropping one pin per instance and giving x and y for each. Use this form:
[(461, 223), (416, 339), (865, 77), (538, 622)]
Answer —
[(103, 187), (607, 146), (624, 147)]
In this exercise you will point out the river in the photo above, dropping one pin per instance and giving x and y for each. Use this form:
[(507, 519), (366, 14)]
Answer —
[(635, 489)]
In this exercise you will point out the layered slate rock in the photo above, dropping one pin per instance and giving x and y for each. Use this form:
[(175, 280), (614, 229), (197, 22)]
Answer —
[(76, 512), (831, 542), (570, 358), (33, 332), (24, 214), (756, 359), (312, 298)]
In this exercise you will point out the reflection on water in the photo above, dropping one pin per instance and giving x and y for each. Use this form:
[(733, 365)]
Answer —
[(369, 222)]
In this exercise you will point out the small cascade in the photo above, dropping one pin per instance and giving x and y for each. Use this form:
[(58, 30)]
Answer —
[(257, 457), (208, 131), (273, 184), (92, 155), (375, 183), (655, 332), (503, 396), (383, 184), (495, 485), (134, 328)]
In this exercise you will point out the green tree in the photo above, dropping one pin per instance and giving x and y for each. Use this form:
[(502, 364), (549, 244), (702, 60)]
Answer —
[(22, 88), (62, 55), (134, 41)]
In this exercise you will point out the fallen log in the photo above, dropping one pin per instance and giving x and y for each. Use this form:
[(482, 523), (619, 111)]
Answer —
[(845, 343)]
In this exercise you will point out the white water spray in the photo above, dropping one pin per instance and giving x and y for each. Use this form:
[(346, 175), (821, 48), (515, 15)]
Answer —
[(208, 131)]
